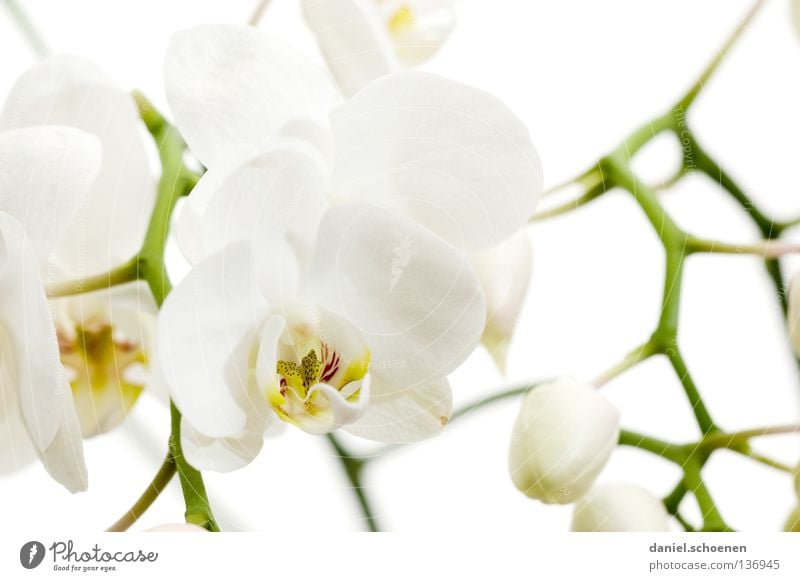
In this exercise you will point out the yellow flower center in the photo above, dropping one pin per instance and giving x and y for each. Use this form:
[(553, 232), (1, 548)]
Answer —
[(98, 364)]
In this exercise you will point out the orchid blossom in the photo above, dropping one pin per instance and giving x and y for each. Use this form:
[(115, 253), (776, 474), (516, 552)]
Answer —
[(104, 336), (45, 173), (332, 286), (363, 40)]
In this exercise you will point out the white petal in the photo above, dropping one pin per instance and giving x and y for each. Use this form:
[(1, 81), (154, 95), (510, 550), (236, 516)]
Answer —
[(305, 135), (30, 348), (69, 90), (63, 458), (275, 201), (334, 409), (207, 329), (415, 299), (453, 157), (233, 87), (353, 40), (405, 415), (31, 358), (418, 28), (45, 173), (220, 454), (16, 446), (620, 507), (505, 274)]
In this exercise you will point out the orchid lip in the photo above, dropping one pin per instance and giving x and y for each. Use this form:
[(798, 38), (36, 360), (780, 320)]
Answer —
[(319, 368), (100, 363)]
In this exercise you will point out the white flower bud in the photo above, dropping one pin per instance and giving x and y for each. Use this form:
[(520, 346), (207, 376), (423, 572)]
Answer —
[(562, 439), (505, 274), (619, 507)]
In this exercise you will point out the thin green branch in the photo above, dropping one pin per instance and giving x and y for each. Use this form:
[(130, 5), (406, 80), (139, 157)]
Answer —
[(28, 29), (198, 508), (125, 273), (685, 524), (699, 409), (766, 249), (588, 179), (352, 467), (258, 12), (482, 402), (153, 490), (632, 359), (712, 519), (766, 461), (585, 198), (734, 439), (697, 87), (151, 268), (672, 452), (769, 228)]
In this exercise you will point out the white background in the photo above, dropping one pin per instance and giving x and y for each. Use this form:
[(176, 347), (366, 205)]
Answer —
[(581, 73)]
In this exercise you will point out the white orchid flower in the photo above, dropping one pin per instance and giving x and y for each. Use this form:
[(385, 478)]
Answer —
[(505, 275), (563, 437), (349, 296), (363, 40), (44, 173), (104, 336), (620, 507)]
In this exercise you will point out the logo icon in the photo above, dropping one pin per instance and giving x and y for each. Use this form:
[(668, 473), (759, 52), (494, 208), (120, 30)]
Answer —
[(31, 554)]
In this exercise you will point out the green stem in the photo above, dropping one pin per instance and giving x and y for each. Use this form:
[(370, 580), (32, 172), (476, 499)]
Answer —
[(672, 501), (153, 490), (685, 524), (352, 467), (589, 179), (701, 159), (712, 519), (482, 402), (632, 359), (258, 12), (734, 439), (672, 452), (150, 260), (125, 273), (766, 461), (688, 99), (770, 229), (617, 166), (198, 509), (590, 195), (699, 409), (27, 28), (766, 249)]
